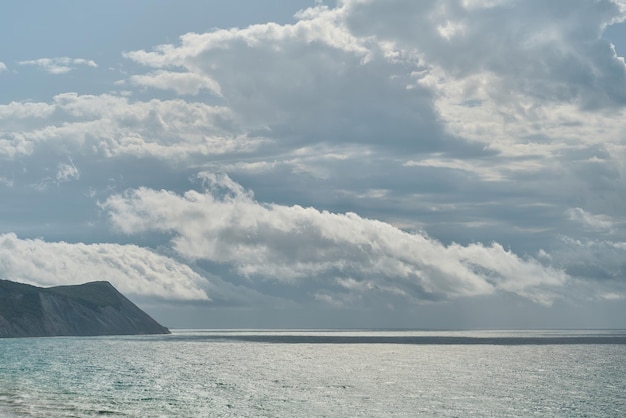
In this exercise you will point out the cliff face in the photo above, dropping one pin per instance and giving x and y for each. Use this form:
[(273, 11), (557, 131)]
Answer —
[(95, 308)]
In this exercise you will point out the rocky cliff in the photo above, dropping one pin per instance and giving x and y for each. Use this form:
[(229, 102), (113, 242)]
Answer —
[(95, 308)]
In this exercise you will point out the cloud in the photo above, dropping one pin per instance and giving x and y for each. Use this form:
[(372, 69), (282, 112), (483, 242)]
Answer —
[(25, 110), (112, 126), (133, 270), (343, 76), (67, 172), (3, 67), (6, 182), (597, 266), (11, 148), (343, 252), (549, 51), (588, 220), (59, 65), (181, 83), (309, 82), (469, 135), (499, 90)]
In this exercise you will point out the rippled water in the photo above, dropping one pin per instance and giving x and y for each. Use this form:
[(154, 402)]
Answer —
[(218, 373)]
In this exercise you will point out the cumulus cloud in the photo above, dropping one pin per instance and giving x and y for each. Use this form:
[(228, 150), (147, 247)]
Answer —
[(513, 81), (59, 65), (132, 269), (24, 110), (15, 147), (293, 244), (312, 81)]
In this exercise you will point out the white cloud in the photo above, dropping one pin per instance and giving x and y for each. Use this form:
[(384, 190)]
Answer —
[(181, 83), (67, 172), (131, 269), (3, 67), (59, 65), (488, 171), (113, 126), (24, 110), (15, 147), (318, 25), (292, 244), (595, 222)]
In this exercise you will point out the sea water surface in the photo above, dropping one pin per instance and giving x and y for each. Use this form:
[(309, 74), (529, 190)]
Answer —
[(194, 373)]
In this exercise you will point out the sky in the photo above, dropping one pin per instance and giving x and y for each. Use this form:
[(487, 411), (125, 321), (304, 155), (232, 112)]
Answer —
[(441, 164)]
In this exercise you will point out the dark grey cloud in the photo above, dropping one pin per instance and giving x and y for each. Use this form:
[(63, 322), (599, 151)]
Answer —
[(553, 51)]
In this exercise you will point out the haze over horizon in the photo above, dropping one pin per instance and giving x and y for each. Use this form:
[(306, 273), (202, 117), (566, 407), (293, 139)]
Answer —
[(318, 164)]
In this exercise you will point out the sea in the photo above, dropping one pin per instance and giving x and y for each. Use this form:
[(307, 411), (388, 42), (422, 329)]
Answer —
[(321, 373)]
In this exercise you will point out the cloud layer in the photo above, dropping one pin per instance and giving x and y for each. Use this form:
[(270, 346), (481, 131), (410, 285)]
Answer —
[(398, 151), (226, 225)]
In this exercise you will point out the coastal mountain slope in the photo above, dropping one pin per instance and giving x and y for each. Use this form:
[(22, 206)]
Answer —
[(95, 308)]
